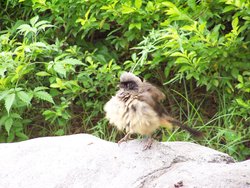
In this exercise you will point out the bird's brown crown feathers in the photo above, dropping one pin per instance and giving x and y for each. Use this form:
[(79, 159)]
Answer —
[(130, 77)]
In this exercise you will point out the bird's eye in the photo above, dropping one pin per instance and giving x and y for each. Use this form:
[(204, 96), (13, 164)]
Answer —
[(132, 86), (128, 85)]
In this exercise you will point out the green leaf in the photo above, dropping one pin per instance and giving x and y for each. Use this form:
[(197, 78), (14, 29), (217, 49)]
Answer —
[(235, 72), (39, 45), (242, 103), (55, 85), (25, 28), (59, 132), (34, 20), (168, 68), (235, 23), (43, 27), (24, 97), (42, 22), (178, 54), (9, 100), (3, 94), (40, 88), (192, 4), (134, 57), (228, 9), (188, 28), (11, 137), (22, 136), (42, 73), (135, 25), (138, 4), (231, 136), (2, 71), (185, 68), (215, 83), (3, 119), (150, 7), (8, 124), (43, 95), (240, 78), (59, 84), (127, 9), (71, 61), (104, 7), (59, 68), (15, 116), (168, 4)]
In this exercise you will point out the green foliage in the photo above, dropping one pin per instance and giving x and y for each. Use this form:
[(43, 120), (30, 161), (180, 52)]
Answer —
[(60, 62), (39, 76), (210, 51)]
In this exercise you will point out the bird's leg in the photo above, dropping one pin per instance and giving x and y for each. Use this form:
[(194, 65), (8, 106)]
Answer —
[(125, 138), (149, 142)]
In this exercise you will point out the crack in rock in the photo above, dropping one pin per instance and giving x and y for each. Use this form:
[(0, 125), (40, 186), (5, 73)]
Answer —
[(151, 176), (158, 172)]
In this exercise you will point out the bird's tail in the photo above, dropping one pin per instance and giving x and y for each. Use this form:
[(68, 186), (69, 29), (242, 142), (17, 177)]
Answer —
[(170, 122)]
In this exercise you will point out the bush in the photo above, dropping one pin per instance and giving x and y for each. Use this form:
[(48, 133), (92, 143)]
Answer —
[(60, 62), (210, 52)]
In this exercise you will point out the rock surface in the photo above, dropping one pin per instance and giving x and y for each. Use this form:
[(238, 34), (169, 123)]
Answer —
[(86, 161)]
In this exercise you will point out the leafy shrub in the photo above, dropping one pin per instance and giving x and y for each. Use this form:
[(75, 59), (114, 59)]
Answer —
[(211, 53), (60, 61), (34, 72)]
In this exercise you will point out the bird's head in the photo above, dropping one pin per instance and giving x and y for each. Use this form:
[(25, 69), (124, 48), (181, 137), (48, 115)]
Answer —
[(129, 81)]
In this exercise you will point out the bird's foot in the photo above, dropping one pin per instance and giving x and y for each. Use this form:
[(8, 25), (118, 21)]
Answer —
[(148, 144), (124, 139)]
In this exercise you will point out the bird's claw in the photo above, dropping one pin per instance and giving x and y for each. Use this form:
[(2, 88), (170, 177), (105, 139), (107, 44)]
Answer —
[(124, 139), (148, 144)]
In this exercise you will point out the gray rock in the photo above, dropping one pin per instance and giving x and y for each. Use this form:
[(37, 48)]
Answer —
[(86, 161)]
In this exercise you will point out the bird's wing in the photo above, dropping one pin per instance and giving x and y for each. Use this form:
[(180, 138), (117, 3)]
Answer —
[(152, 90), (152, 96)]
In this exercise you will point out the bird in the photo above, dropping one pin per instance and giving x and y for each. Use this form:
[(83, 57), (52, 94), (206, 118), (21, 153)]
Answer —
[(137, 108)]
